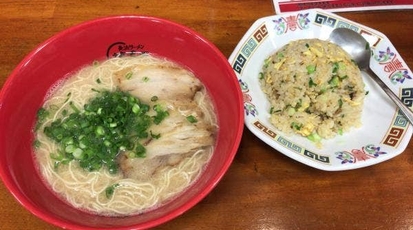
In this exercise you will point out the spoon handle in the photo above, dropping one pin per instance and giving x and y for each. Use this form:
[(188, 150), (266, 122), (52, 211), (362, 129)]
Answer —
[(405, 110)]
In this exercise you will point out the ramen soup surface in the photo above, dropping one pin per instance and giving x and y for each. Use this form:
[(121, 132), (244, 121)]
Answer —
[(125, 135)]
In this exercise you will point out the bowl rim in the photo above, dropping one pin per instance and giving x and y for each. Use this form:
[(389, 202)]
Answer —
[(32, 208)]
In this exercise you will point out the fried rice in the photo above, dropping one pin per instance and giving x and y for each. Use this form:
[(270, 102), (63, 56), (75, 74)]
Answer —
[(314, 88)]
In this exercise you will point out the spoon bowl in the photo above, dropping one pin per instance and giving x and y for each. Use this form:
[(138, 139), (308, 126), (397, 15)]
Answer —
[(359, 50)]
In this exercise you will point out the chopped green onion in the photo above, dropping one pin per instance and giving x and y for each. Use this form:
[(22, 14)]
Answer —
[(323, 90), (342, 65), (42, 114), (340, 103), (68, 97), (140, 151), (100, 131), (191, 119), (155, 136), (73, 106), (36, 143), (261, 75), (154, 98), (161, 114), (314, 137), (108, 124), (340, 131), (136, 108), (335, 67), (299, 104), (145, 79), (280, 55), (78, 153), (110, 190), (128, 75), (334, 81), (343, 77), (296, 126), (267, 62), (311, 69), (311, 83), (290, 111)]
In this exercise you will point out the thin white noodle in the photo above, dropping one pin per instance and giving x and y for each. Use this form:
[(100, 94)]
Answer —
[(86, 190)]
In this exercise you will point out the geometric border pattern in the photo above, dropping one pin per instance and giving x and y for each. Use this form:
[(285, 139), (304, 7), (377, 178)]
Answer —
[(249, 47), (290, 145)]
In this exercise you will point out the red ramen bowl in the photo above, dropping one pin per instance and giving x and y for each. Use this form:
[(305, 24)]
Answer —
[(25, 89)]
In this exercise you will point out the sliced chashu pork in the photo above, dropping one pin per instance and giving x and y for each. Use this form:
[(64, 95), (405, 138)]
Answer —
[(164, 81), (179, 91)]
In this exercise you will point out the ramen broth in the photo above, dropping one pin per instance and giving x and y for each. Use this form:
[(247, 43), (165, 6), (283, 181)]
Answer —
[(184, 143)]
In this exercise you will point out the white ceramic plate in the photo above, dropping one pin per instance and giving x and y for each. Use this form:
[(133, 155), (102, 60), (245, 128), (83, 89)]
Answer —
[(385, 133)]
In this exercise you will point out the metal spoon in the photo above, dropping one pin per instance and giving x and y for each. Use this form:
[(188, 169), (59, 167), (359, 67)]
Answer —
[(359, 50)]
